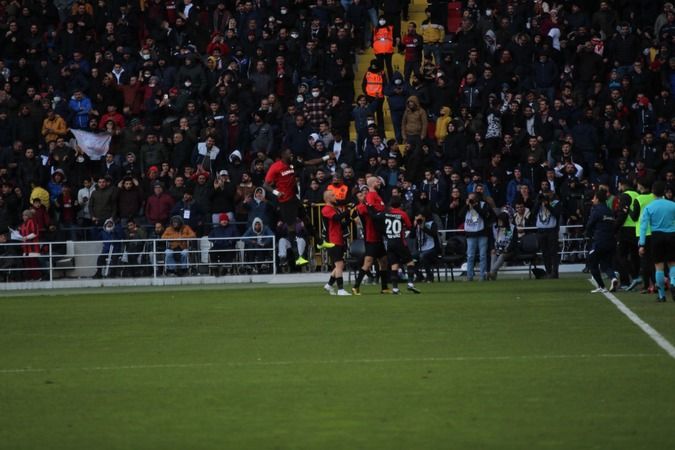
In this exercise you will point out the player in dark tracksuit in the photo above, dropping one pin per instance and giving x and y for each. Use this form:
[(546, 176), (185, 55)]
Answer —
[(600, 228)]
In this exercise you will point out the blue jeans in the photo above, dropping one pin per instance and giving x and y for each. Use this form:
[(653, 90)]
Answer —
[(433, 49), (396, 119), (170, 259), (473, 243)]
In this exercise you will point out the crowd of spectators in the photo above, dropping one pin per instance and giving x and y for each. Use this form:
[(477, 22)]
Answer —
[(525, 98)]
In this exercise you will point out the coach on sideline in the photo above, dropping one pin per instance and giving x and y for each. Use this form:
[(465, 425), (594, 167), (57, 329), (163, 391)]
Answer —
[(660, 216)]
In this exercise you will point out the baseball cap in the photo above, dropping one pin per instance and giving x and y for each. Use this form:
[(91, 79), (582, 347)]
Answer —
[(224, 173)]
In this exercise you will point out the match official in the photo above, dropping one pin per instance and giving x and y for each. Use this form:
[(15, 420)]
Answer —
[(659, 216)]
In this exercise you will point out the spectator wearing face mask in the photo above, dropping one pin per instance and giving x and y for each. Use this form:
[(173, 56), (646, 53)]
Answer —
[(108, 261)]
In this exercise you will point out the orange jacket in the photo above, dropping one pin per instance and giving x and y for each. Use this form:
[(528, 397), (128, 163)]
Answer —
[(341, 192), (383, 40), (171, 233), (374, 84)]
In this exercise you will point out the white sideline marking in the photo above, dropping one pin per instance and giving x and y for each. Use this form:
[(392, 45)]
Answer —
[(343, 361), (644, 326)]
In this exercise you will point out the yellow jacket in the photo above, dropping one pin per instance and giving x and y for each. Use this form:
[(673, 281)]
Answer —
[(442, 124), (432, 33), (52, 129)]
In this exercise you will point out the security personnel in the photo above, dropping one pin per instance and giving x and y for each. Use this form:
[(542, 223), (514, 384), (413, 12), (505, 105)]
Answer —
[(627, 214), (340, 189), (383, 44), (373, 84), (646, 263)]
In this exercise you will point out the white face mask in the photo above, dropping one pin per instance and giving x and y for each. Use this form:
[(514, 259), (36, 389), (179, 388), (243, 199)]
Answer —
[(188, 84), (295, 35), (488, 12), (382, 22), (108, 229), (284, 11), (145, 56), (315, 94), (299, 99)]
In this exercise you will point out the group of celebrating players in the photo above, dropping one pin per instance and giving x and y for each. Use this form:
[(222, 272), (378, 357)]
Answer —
[(385, 228), (385, 235)]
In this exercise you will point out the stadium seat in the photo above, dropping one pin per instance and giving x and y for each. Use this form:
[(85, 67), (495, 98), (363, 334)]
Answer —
[(453, 252), (528, 248), (357, 250)]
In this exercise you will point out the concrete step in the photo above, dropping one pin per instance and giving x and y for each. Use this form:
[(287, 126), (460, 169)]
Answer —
[(416, 14)]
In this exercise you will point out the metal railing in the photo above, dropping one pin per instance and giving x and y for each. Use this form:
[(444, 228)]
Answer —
[(570, 237), (138, 258)]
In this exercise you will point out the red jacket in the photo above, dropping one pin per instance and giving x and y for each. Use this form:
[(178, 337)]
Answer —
[(158, 208)]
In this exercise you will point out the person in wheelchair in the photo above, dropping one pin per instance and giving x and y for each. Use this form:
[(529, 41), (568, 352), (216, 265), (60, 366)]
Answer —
[(177, 246), (134, 250), (108, 261), (258, 240), (222, 246)]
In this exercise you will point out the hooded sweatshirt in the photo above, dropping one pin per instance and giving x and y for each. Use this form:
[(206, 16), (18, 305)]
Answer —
[(263, 238), (442, 124), (258, 209), (414, 119)]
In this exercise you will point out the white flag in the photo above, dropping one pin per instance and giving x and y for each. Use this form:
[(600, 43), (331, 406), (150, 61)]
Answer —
[(95, 145)]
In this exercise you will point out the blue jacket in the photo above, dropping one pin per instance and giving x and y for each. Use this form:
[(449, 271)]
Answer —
[(219, 232), (254, 239), (80, 111), (360, 115), (108, 236), (512, 189)]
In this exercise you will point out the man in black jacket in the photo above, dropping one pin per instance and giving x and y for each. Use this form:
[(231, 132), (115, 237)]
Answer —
[(600, 228)]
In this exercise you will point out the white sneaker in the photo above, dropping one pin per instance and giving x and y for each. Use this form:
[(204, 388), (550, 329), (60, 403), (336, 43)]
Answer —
[(329, 289), (599, 290), (342, 292), (613, 285)]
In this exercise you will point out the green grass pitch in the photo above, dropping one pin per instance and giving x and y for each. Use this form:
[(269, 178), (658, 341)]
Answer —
[(501, 365)]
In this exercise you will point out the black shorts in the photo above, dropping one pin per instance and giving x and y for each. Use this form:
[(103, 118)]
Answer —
[(336, 254), (375, 249), (663, 247), (289, 211), (398, 253)]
